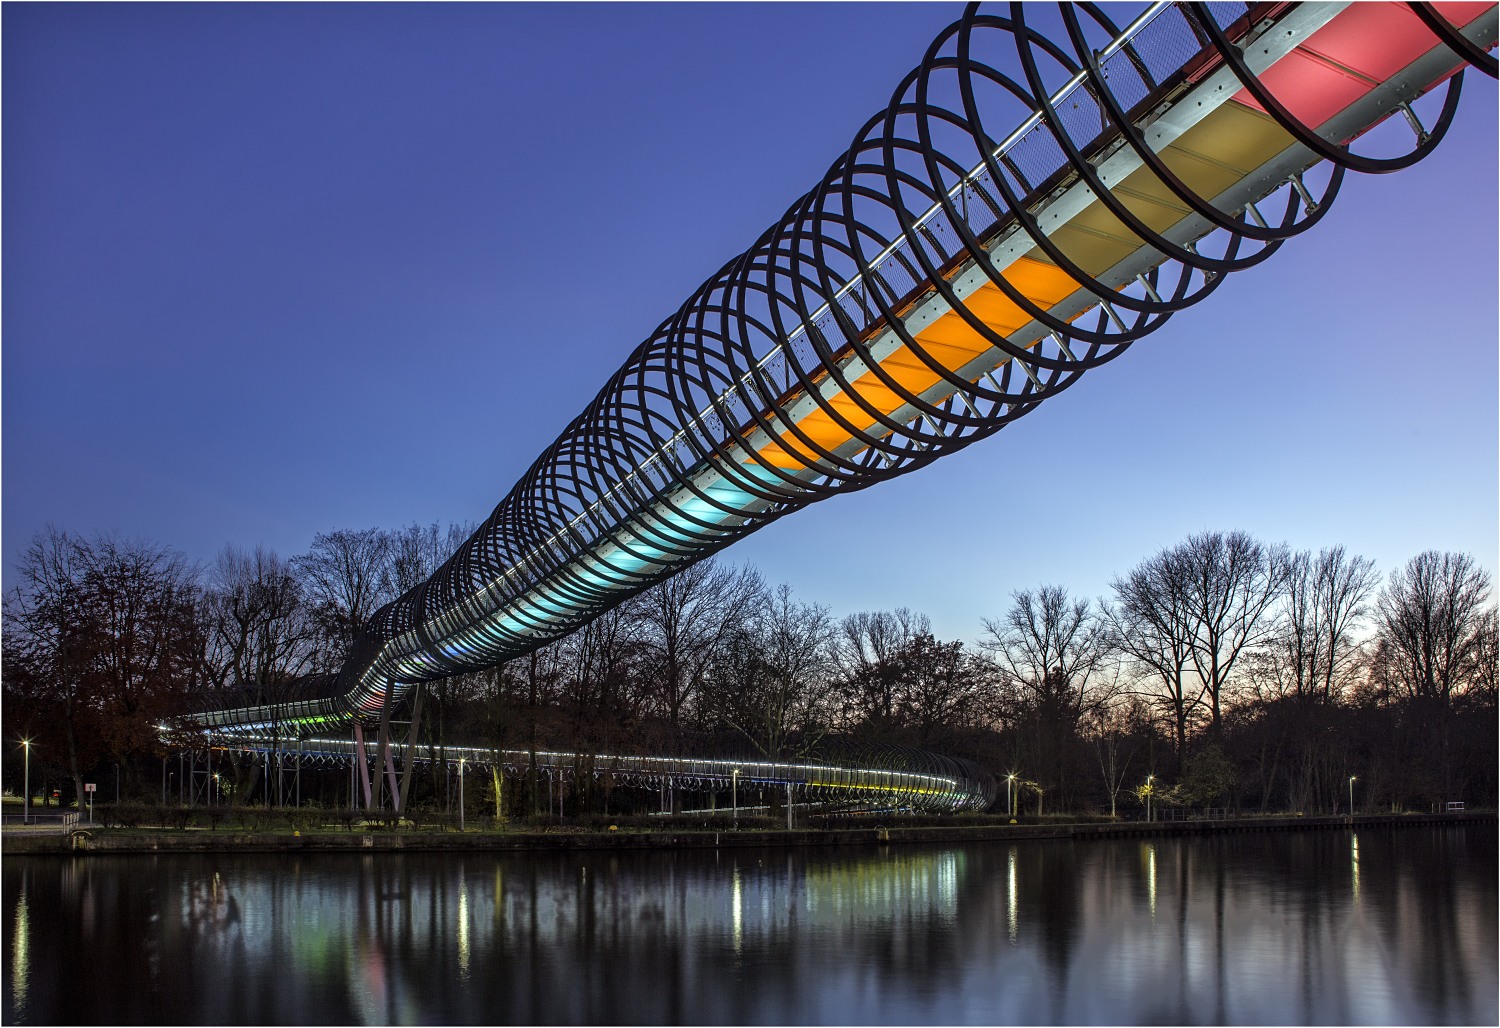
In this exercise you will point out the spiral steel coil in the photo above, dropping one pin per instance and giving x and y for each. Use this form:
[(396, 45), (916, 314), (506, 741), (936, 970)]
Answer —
[(939, 282)]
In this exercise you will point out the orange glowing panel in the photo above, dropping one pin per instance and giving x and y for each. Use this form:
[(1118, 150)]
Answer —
[(950, 341)]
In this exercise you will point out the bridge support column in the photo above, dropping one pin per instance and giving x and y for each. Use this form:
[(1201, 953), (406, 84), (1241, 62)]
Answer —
[(364, 767), (411, 747), (383, 750)]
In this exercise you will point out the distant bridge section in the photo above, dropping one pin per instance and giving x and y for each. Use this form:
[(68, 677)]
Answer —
[(844, 775)]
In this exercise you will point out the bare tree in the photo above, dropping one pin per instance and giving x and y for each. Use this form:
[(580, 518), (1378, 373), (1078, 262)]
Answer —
[(686, 618), (261, 637), (771, 679), (1483, 666), (1053, 657), (940, 687), (346, 576), (1430, 619), (1233, 585), (1114, 747), (260, 631), (1312, 652), (867, 646), (1153, 626), (47, 617), (1052, 650), (416, 551), (148, 646), (597, 664)]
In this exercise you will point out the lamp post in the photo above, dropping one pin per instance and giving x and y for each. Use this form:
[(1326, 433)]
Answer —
[(1010, 801), (1351, 798), (1148, 796), (734, 792), (26, 804), (461, 794)]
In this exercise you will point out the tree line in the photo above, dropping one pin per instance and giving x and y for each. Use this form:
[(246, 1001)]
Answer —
[(1221, 671)]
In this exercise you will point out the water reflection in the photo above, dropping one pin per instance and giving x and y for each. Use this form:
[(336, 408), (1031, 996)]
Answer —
[(1311, 927), (1011, 918), (20, 955)]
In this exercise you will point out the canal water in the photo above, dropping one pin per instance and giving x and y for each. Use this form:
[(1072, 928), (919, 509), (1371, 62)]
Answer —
[(1383, 925)]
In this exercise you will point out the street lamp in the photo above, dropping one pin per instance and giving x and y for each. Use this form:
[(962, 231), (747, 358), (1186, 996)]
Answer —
[(461, 794), (1351, 797), (1010, 802), (734, 792), (1148, 796), (26, 804)]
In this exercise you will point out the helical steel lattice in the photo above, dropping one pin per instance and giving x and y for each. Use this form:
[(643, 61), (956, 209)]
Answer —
[(939, 282)]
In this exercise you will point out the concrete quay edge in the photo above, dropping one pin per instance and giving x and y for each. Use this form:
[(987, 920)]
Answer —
[(82, 841)]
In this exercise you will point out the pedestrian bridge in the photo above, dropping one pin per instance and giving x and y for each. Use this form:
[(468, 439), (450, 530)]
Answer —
[(1028, 205)]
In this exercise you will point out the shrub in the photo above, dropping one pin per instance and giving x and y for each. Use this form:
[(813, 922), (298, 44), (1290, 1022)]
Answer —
[(176, 817), (439, 821), (131, 815), (257, 819)]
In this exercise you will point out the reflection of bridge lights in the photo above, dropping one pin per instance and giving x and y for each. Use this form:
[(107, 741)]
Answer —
[(20, 960), (736, 915), (1354, 864), (1010, 895), (463, 927), (1151, 878)]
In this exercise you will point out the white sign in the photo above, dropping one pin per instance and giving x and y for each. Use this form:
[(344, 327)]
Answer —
[(88, 786)]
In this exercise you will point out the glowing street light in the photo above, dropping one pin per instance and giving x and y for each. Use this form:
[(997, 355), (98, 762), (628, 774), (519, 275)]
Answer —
[(1010, 800), (734, 792), (461, 794), (1351, 797), (26, 805), (1149, 792)]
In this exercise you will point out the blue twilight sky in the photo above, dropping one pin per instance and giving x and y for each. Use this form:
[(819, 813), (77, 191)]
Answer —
[(277, 269)]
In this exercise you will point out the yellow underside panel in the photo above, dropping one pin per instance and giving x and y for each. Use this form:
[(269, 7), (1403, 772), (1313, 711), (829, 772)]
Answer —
[(950, 341), (1209, 158)]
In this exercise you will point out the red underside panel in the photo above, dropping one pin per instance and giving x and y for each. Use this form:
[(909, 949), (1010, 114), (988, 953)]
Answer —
[(1362, 47)]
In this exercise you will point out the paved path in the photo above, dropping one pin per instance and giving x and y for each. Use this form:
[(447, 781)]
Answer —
[(48, 827)]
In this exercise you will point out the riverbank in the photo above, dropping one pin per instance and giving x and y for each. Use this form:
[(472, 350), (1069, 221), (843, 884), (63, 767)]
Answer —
[(202, 841)]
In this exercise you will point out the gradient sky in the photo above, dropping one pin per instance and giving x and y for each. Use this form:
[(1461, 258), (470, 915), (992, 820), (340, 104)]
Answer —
[(273, 270)]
